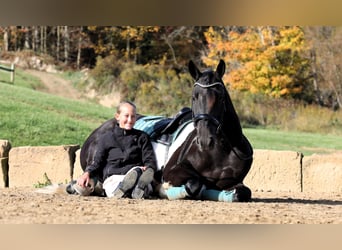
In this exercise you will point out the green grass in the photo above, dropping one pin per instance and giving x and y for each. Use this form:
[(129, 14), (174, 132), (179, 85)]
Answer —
[(29, 117), (307, 143), (73, 77), (21, 79)]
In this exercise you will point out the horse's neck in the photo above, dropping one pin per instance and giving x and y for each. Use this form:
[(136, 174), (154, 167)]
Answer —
[(231, 125)]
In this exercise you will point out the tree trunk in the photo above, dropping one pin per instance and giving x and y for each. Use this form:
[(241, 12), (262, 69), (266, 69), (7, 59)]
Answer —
[(169, 38), (41, 39), (79, 48), (44, 40), (58, 43), (262, 39), (6, 40), (128, 47), (66, 45), (35, 40), (167, 41), (314, 72), (27, 38)]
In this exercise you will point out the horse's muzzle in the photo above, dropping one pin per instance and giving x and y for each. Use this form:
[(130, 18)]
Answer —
[(205, 143)]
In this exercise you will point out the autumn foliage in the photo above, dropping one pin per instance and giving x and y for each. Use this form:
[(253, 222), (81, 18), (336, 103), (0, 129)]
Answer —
[(266, 60), (148, 64)]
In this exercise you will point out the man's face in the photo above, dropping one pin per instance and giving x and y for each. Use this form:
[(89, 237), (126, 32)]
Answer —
[(127, 117)]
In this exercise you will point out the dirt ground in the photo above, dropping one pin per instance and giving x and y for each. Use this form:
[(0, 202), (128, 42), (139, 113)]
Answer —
[(25, 206), (56, 85)]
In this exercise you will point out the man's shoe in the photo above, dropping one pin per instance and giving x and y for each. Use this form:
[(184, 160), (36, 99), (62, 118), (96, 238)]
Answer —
[(126, 184), (145, 179)]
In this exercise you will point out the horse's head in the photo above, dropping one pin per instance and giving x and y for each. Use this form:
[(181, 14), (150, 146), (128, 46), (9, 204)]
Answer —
[(209, 100)]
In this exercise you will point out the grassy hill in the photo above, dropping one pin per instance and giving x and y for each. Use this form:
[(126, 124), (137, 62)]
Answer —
[(29, 117), (307, 143)]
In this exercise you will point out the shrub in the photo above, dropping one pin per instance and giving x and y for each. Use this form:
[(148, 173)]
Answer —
[(106, 72), (258, 110), (155, 89)]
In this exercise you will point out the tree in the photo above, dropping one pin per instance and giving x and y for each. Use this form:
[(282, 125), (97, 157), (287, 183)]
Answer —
[(5, 39), (267, 60), (326, 61), (58, 42), (66, 44)]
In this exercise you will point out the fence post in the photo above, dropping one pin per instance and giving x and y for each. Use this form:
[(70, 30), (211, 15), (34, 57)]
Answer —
[(11, 70), (12, 73), (5, 147)]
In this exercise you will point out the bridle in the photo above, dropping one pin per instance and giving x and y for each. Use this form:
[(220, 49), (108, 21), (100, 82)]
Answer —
[(198, 117)]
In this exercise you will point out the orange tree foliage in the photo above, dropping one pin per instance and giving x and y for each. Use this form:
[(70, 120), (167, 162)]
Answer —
[(266, 60)]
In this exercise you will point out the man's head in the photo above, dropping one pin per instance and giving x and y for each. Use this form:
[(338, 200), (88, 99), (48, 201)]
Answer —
[(126, 115)]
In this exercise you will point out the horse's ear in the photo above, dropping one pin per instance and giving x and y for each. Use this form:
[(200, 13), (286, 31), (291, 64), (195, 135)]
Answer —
[(194, 71), (221, 68)]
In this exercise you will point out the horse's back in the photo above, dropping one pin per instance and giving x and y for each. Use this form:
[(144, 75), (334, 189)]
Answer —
[(90, 144)]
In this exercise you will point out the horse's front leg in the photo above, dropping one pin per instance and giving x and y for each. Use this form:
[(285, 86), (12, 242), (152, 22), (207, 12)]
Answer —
[(178, 181), (182, 181), (192, 189), (238, 193)]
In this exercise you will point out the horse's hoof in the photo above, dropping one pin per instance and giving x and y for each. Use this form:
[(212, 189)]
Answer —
[(243, 194)]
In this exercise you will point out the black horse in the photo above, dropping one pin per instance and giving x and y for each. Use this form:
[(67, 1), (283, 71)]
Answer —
[(205, 158), (215, 156)]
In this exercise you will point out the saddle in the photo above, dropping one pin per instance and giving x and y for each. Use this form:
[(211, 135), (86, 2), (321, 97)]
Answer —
[(159, 127)]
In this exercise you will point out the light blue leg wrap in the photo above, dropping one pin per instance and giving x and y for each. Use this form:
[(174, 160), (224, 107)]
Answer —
[(215, 195), (175, 193)]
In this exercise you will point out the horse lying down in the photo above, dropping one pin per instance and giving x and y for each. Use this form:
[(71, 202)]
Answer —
[(214, 158)]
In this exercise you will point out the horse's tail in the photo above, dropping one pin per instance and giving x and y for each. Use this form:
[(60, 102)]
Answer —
[(52, 189)]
